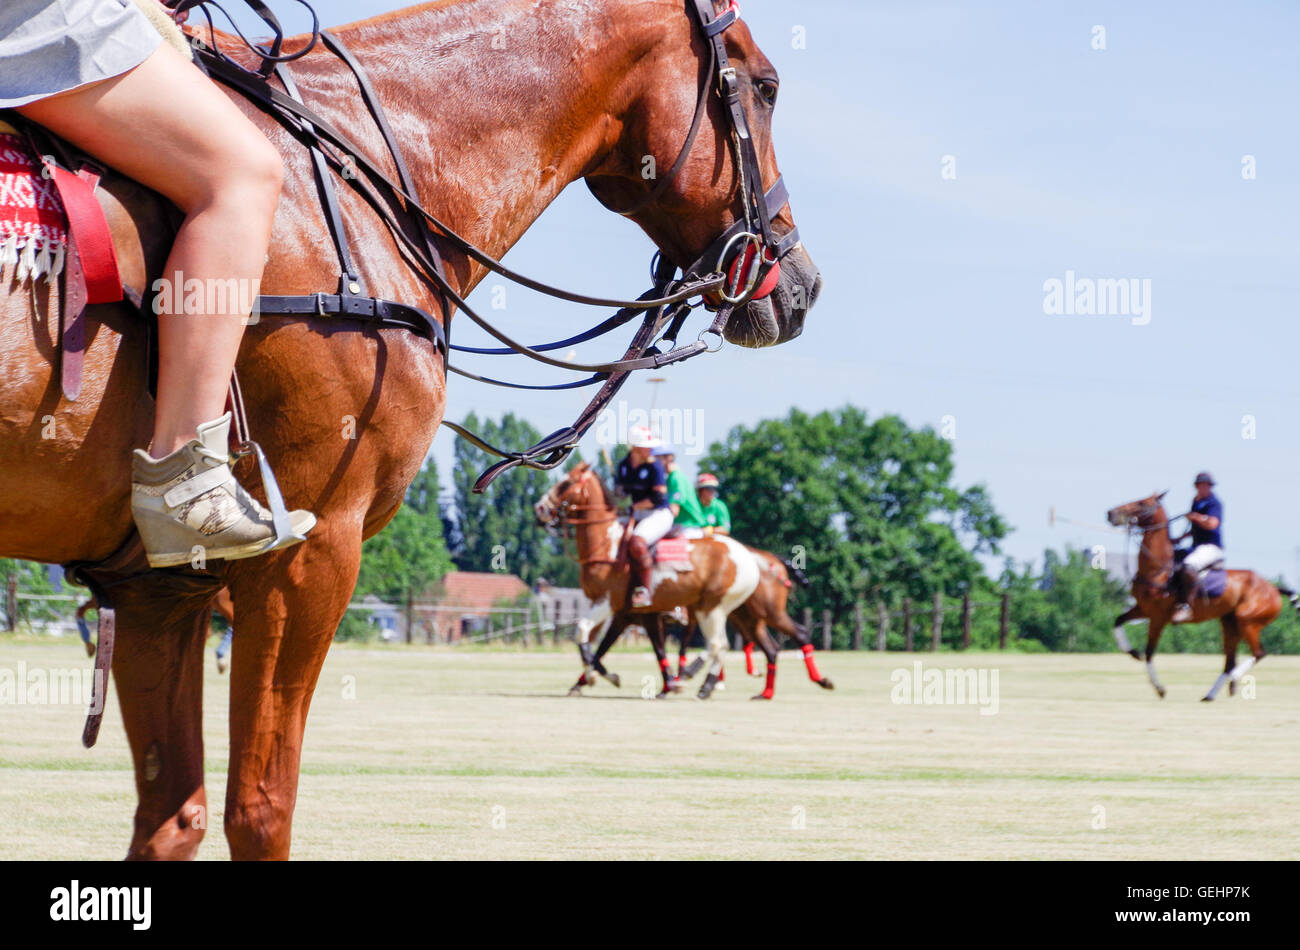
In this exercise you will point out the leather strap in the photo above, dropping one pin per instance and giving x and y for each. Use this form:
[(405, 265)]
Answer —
[(87, 224), (104, 639)]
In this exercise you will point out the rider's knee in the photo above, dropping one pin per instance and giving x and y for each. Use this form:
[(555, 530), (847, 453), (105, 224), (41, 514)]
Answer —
[(247, 180)]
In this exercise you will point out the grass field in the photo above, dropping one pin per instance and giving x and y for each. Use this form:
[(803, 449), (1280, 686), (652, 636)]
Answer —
[(479, 754)]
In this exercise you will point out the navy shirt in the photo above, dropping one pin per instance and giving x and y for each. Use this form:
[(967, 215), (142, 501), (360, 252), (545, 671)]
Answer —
[(640, 481), (1209, 505)]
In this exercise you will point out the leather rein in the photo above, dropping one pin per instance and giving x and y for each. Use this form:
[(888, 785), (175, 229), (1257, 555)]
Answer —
[(749, 243)]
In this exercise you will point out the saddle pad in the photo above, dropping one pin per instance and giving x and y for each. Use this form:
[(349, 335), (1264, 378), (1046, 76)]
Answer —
[(673, 550), (1214, 583), (33, 230)]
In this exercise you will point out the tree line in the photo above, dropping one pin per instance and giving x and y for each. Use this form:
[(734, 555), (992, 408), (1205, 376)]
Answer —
[(868, 508)]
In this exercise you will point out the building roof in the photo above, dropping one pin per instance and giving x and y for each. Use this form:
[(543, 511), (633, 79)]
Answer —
[(474, 590)]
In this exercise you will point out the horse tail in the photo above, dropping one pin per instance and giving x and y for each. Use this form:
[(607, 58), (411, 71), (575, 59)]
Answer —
[(1290, 595), (799, 576)]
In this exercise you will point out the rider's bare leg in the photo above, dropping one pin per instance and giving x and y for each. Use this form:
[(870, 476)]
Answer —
[(166, 125), (200, 151)]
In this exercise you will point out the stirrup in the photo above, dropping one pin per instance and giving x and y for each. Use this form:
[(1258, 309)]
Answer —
[(285, 536)]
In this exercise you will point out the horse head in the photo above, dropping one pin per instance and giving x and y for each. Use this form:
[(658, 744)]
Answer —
[(1143, 512), (685, 163), (574, 490)]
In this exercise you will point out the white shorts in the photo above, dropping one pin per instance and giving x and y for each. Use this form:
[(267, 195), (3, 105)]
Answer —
[(1203, 557), (652, 524)]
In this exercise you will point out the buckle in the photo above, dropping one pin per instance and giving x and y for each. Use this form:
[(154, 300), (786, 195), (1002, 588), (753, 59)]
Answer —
[(727, 80)]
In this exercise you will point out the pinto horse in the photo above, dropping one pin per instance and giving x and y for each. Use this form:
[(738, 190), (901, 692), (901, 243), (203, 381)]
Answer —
[(499, 104), (1247, 605), (722, 574), (765, 607)]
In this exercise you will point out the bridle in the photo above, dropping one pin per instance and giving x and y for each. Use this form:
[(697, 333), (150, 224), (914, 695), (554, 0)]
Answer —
[(750, 241), (733, 267), (1134, 526), (564, 518)]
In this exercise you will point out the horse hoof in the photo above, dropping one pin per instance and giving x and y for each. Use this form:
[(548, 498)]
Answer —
[(614, 680), (575, 691), (825, 683), (1135, 654), (763, 695), (1207, 699), (1160, 691)]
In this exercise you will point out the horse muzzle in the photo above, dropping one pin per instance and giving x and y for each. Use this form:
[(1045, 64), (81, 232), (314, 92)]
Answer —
[(778, 314)]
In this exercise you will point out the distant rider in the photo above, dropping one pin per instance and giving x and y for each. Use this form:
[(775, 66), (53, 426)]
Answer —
[(688, 516), (717, 517), (643, 479), (1206, 517)]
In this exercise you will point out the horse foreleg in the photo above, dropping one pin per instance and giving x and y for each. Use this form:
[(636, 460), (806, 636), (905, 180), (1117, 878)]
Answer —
[(597, 619), (1121, 638), (158, 671), (1153, 640), (288, 606)]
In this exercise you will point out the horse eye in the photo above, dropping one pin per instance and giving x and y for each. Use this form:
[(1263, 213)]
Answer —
[(768, 90)]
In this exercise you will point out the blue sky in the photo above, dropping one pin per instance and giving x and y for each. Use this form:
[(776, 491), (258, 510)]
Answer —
[(1117, 163)]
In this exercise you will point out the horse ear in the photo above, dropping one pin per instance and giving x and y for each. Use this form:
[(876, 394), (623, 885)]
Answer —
[(1160, 497)]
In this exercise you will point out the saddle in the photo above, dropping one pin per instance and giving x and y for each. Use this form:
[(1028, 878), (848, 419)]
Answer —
[(672, 551), (1210, 582)]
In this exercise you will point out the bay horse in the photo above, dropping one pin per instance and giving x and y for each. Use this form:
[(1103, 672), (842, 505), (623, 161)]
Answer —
[(764, 608), (1248, 604), (722, 575), (500, 105)]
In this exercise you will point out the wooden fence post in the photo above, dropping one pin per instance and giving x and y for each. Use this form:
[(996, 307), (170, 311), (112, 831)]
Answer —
[(11, 603), (1003, 623), (826, 629), (857, 625), (410, 616), (882, 625), (936, 622), (555, 628), (907, 624), (510, 627), (807, 622), (965, 621)]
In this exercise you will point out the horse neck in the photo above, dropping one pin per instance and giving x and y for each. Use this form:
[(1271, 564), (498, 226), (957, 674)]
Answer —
[(1156, 554), (501, 104), (593, 538)]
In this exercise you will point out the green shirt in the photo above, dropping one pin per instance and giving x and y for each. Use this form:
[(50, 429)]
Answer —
[(682, 493), (717, 515)]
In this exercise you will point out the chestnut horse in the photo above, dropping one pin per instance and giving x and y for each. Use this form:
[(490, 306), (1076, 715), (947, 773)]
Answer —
[(1247, 605), (500, 105), (765, 607), (722, 574)]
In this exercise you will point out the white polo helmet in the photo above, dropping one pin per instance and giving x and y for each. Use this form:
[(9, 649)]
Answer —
[(640, 437)]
